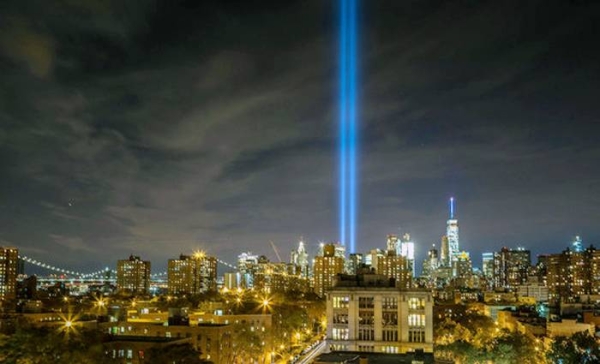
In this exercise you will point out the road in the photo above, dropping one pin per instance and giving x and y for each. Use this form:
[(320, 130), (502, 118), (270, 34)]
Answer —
[(312, 354)]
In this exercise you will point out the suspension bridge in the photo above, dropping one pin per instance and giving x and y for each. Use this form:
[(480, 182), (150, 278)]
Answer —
[(106, 274)]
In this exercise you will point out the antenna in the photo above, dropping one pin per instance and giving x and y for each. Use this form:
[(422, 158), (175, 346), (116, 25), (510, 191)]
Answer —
[(451, 208)]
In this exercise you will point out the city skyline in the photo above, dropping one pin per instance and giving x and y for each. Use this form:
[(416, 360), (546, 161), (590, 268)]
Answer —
[(165, 128)]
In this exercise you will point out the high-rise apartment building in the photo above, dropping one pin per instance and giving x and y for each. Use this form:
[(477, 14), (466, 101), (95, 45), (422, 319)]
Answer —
[(9, 261), (326, 268), (133, 275), (511, 268), (571, 274), (368, 315), (396, 267), (192, 274)]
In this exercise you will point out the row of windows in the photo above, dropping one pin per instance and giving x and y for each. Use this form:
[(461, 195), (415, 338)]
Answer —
[(390, 335), (387, 303), (416, 320), (366, 334), (416, 336)]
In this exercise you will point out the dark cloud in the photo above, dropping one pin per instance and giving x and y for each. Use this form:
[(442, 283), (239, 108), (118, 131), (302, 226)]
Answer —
[(159, 127)]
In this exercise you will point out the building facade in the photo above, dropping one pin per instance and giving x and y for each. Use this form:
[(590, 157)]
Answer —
[(571, 274), (326, 268), (396, 267), (511, 268), (380, 319), (9, 261), (192, 274), (133, 275)]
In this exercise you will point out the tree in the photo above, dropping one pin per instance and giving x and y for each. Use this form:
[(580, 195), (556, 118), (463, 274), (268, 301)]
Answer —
[(175, 354), (579, 348), (246, 344)]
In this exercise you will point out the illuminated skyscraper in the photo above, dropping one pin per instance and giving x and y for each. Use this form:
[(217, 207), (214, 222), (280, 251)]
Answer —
[(407, 250), (487, 264), (9, 260), (452, 234), (299, 257), (445, 254), (393, 243), (577, 244), (431, 263), (326, 268), (133, 275), (355, 261), (192, 274), (247, 267)]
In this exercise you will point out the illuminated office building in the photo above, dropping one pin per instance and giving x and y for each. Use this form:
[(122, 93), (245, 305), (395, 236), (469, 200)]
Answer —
[(133, 275), (9, 261), (247, 267), (192, 274), (354, 263), (431, 263), (577, 244), (407, 250), (487, 264), (393, 243)]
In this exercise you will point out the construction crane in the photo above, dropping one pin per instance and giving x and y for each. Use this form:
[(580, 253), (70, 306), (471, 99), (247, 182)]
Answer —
[(275, 250)]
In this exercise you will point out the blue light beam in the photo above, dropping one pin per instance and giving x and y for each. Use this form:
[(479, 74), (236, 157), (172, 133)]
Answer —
[(348, 137), (342, 121)]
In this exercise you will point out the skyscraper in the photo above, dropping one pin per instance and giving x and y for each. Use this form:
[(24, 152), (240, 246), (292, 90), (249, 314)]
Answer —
[(444, 254), (299, 257), (393, 243), (133, 275), (247, 267), (452, 234), (487, 264), (431, 263), (9, 260), (577, 244), (407, 250)]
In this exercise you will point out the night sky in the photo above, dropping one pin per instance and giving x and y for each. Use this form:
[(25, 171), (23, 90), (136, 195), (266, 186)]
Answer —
[(155, 128)]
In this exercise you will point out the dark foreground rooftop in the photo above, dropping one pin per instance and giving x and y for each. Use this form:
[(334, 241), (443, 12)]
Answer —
[(348, 357)]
